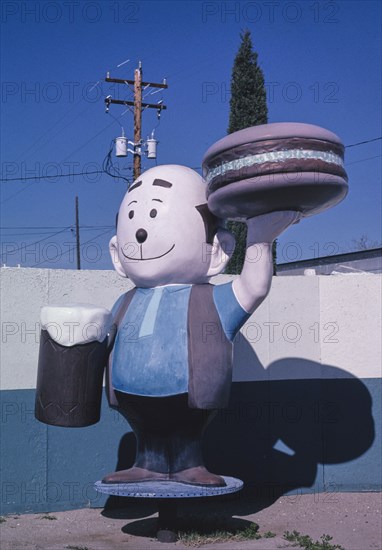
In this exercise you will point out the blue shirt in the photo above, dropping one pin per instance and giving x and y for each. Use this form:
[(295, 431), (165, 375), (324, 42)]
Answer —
[(151, 349)]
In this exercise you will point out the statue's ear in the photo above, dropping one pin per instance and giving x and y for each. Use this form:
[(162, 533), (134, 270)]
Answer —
[(113, 248), (222, 249)]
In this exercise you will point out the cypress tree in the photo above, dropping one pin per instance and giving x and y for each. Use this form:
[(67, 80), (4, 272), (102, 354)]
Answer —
[(248, 104), (248, 107)]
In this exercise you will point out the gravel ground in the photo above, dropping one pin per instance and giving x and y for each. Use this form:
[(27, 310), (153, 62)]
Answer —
[(353, 520)]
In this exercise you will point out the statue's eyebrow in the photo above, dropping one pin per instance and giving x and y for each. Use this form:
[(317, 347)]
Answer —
[(135, 186), (162, 183)]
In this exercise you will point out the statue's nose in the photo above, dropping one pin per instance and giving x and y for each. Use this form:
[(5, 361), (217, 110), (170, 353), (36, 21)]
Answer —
[(141, 235)]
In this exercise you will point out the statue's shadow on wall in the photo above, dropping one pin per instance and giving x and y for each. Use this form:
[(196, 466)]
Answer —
[(276, 433)]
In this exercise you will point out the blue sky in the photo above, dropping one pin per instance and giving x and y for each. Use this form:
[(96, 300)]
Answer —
[(321, 62)]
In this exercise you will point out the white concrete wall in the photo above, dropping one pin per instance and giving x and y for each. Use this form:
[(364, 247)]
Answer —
[(329, 320), (365, 265)]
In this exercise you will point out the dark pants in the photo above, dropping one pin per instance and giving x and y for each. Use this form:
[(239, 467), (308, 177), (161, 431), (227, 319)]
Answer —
[(169, 433)]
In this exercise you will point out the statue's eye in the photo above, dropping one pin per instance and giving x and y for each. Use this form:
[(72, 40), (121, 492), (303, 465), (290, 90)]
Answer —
[(131, 214), (153, 213)]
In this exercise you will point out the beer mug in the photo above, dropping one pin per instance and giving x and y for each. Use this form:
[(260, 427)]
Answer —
[(72, 357)]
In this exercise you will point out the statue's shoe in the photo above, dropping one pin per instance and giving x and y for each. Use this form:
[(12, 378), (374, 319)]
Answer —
[(191, 476), (198, 476), (134, 475)]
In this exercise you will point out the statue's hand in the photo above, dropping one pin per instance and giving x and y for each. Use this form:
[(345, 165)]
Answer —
[(74, 324), (267, 227)]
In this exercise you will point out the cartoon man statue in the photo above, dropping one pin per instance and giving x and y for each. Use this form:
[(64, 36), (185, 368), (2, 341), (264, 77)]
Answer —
[(171, 365)]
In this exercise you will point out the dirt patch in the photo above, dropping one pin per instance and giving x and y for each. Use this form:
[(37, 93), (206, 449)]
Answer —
[(352, 519)]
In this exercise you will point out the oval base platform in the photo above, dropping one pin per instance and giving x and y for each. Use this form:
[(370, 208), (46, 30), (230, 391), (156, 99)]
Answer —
[(167, 489), (167, 492)]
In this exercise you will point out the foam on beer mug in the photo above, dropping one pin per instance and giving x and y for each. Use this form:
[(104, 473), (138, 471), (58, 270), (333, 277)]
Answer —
[(74, 324)]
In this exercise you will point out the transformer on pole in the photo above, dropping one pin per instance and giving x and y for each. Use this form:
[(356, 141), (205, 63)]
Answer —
[(121, 143)]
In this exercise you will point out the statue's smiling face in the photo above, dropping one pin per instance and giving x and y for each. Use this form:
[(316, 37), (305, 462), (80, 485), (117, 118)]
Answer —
[(161, 236), (139, 215)]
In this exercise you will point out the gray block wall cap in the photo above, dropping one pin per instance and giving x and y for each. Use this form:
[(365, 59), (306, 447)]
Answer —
[(274, 130)]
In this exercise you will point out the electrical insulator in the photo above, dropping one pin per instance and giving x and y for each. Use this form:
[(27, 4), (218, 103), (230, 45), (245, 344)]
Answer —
[(151, 148), (121, 147)]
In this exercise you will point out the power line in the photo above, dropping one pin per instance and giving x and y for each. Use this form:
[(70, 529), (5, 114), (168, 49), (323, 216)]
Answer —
[(69, 250), (66, 158), (118, 175), (51, 226), (363, 142), (362, 160), (29, 231), (108, 165), (63, 117), (55, 176), (40, 241), (82, 99), (28, 235)]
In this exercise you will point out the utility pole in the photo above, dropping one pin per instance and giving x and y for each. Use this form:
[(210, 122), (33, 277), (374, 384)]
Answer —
[(78, 237), (137, 120), (139, 106)]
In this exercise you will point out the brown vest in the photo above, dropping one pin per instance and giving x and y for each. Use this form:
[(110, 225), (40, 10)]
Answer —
[(209, 352)]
